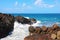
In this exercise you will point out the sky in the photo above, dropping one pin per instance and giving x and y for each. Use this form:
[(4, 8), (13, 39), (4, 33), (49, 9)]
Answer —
[(30, 6)]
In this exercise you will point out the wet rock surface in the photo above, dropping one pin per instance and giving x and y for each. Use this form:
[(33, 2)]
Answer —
[(6, 24), (23, 20), (44, 33)]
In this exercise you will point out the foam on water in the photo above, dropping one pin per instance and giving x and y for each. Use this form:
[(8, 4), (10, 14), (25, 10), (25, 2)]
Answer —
[(37, 24), (27, 17), (20, 31)]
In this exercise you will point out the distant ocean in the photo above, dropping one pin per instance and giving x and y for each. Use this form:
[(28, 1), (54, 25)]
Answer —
[(45, 19), (21, 30)]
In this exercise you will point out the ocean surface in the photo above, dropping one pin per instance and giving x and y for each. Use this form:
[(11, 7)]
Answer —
[(21, 30), (45, 19)]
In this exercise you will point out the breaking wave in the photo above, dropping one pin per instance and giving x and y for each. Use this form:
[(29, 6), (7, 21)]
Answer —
[(20, 31)]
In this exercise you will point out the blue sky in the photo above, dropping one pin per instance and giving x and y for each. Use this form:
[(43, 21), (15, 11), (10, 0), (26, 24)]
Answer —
[(30, 6)]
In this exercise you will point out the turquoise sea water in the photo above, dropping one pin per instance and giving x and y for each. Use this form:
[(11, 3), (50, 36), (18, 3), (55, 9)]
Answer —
[(46, 19)]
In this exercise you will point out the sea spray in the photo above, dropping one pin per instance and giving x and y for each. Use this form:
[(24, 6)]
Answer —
[(20, 31)]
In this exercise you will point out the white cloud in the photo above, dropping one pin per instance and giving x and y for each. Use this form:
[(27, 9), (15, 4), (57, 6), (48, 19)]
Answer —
[(16, 3), (22, 7), (24, 4), (38, 2), (50, 6), (41, 3)]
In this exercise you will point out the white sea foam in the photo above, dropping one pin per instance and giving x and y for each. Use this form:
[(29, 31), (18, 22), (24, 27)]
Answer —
[(20, 31), (27, 17), (57, 22), (37, 24)]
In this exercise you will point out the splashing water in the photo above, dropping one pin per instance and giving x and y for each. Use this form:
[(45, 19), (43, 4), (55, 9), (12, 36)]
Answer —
[(20, 31)]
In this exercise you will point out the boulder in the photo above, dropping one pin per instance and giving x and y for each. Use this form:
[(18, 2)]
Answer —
[(22, 20), (37, 30), (58, 35), (31, 29), (53, 36), (44, 33), (55, 26), (44, 28), (49, 30), (6, 24)]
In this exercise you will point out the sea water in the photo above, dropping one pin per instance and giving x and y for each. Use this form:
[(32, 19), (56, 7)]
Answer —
[(21, 30)]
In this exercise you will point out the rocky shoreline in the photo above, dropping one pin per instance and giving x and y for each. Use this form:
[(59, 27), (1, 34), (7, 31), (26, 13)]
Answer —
[(7, 23), (35, 33), (44, 33)]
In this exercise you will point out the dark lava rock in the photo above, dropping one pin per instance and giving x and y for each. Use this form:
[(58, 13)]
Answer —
[(22, 20), (6, 24)]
